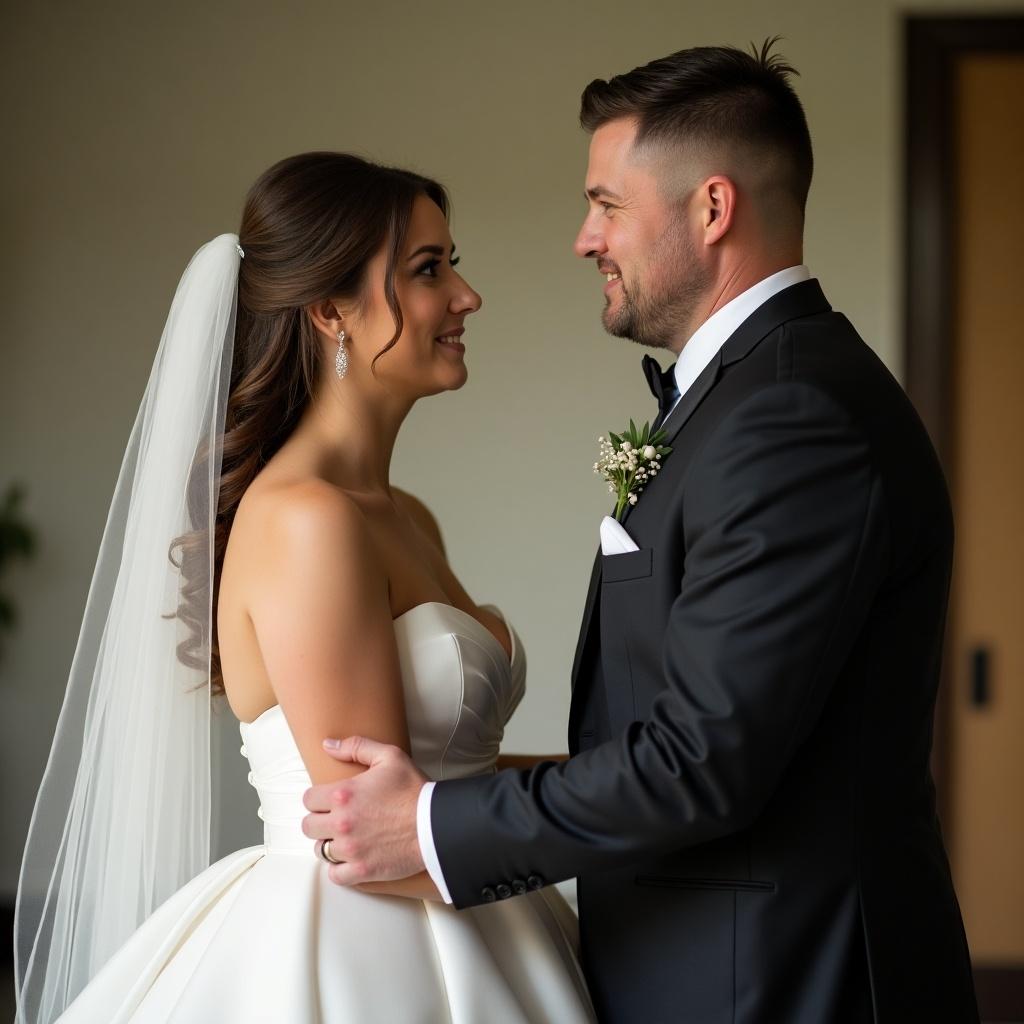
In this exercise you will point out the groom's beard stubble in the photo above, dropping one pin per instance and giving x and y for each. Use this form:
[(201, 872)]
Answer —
[(654, 317)]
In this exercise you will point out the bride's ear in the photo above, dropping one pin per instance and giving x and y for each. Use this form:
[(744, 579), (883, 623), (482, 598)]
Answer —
[(327, 318)]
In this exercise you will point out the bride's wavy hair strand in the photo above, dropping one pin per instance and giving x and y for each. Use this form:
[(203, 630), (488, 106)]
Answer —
[(310, 226)]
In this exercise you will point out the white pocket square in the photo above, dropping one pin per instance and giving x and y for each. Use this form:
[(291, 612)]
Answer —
[(614, 539)]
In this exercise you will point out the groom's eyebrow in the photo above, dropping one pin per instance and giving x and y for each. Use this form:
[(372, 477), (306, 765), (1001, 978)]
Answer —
[(596, 191), (434, 250)]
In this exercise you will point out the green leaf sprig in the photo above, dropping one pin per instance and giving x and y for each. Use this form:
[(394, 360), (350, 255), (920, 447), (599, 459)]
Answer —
[(628, 461)]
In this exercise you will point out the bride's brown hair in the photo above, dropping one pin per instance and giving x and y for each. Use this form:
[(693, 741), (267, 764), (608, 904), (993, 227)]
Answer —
[(310, 226)]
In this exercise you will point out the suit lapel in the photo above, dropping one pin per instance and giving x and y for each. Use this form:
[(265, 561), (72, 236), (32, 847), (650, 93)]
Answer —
[(695, 394), (799, 300), (804, 299), (686, 407)]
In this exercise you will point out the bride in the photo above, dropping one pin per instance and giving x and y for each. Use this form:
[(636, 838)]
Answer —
[(257, 549)]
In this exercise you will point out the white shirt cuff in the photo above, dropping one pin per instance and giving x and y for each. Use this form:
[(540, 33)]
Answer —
[(425, 837)]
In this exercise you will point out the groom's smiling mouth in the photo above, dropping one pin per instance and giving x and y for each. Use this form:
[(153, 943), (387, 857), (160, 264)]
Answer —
[(612, 278)]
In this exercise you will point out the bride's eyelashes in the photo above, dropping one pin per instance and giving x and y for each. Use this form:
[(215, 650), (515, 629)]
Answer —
[(429, 269)]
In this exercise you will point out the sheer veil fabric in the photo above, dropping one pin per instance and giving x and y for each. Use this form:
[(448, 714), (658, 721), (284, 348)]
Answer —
[(122, 817)]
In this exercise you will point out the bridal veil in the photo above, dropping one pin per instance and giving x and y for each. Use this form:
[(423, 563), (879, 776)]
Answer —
[(122, 818)]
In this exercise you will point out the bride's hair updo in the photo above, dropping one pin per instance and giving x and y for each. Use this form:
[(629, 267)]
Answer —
[(310, 227)]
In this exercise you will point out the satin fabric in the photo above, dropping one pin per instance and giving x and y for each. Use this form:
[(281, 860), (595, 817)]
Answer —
[(263, 935)]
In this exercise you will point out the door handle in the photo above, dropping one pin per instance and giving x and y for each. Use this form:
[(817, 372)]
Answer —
[(981, 677)]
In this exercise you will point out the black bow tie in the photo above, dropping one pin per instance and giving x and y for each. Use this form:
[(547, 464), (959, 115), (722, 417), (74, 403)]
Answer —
[(662, 384)]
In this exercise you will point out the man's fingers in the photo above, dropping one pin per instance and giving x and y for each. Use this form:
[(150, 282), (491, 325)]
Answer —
[(321, 826), (320, 798), (371, 818), (349, 873), (357, 750)]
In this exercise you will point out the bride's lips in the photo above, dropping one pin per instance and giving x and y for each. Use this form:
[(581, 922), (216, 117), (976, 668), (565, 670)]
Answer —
[(451, 341)]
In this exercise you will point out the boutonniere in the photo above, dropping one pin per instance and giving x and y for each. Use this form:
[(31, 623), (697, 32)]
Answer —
[(629, 461)]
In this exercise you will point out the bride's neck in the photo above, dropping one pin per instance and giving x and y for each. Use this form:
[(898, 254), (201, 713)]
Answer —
[(352, 436)]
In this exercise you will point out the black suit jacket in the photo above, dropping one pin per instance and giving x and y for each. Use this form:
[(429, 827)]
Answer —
[(749, 806)]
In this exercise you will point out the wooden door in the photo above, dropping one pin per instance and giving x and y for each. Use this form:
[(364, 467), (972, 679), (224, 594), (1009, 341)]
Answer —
[(986, 648)]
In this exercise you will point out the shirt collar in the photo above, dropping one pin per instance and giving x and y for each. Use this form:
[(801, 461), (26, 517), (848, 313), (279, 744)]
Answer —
[(721, 325)]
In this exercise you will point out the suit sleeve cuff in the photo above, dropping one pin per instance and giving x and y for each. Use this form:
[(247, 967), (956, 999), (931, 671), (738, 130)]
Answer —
[(425, 837)]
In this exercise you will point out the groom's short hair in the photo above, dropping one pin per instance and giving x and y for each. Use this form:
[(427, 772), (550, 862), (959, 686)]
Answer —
[(713, 96)]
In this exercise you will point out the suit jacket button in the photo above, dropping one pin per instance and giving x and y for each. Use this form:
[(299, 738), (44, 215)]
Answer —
[(535, 882), (488, 895), (519, 887), (503, 891)]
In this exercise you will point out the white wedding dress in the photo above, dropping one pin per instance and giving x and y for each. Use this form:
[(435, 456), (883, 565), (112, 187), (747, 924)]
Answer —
[(263, 935)]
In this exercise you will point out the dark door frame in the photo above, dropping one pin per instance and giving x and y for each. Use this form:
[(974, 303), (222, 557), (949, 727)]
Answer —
[(932, 47)]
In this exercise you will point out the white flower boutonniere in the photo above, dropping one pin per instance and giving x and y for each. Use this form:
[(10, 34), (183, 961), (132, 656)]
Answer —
[(629, 461)]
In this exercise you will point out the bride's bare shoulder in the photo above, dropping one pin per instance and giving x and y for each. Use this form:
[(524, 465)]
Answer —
[(298, 497), (282, 518)]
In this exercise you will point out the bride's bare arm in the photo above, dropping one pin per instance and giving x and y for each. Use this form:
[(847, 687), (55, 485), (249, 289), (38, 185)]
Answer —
[(320, 610)]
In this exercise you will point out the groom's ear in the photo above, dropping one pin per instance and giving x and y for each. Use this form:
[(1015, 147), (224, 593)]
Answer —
[(718, 201)]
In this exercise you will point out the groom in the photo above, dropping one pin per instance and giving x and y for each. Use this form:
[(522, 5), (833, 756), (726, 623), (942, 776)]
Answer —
[(748, 804)]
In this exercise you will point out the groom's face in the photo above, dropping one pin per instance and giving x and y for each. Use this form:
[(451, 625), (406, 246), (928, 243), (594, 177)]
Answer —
[(640, 241)]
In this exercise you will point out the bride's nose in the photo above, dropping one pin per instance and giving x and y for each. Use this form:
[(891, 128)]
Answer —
[(465, 300)]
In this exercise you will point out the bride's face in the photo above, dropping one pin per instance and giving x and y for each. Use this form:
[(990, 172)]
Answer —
[(429, 355)]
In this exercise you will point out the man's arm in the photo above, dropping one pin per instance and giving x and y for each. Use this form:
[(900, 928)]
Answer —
[(785, 542), (781, 564), (526, 760)]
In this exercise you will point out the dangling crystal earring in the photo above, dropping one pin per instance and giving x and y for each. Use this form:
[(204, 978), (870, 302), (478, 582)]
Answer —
[(341, 359)]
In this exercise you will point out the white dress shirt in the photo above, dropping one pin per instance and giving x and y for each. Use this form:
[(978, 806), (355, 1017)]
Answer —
[(704, 344), (698, 351)]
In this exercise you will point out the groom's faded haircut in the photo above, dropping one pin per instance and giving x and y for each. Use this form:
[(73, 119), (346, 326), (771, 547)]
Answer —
[(713, 97)]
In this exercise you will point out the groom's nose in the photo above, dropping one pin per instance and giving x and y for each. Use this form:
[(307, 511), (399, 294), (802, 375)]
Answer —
[(590, 241)]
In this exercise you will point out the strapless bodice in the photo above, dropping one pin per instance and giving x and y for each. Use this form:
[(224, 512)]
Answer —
[(263, 934), (460, 691)]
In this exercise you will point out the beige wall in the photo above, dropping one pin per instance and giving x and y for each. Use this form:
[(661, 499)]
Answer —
[(131, 133)]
